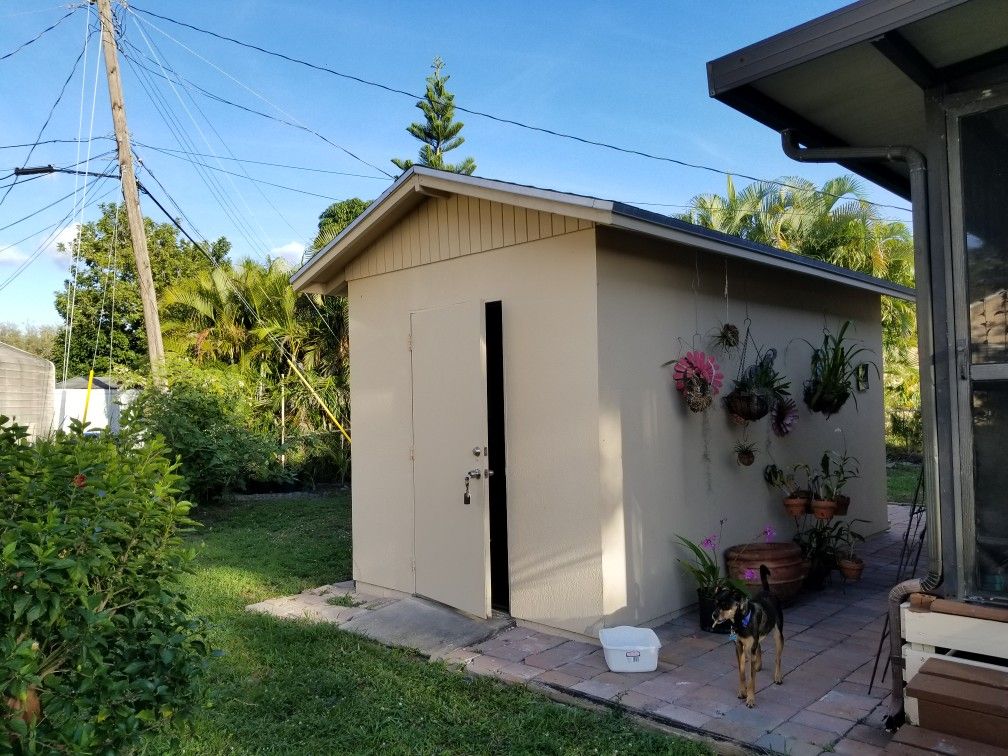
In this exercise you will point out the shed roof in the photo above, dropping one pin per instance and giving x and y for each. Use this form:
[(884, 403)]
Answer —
[(857, 76), (324, 273), (101, 382)]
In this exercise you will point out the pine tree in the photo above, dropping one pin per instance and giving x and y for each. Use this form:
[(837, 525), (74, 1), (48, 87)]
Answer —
[(440, 133)]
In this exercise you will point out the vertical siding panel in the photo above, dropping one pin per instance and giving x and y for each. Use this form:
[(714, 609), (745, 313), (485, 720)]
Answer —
[(570, 224), (389, 253), (532, 216), (509, 225), (465, 246), (424, 234), (521, 226), (398, 243), (475, 244), (453, 231), (496, 225), (442, 206), (432, 248), (583, 224), (486, 240), (545, 225), (415, 237), (559, 224)]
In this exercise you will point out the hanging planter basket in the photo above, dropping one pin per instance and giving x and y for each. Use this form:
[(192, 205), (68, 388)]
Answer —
[(698, 378), (747, 405), (825, 399)]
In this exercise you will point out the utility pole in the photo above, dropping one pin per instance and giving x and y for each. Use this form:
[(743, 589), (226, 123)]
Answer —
[(131, 198)]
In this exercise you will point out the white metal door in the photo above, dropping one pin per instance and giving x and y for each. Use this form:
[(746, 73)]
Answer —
[(451, 537)]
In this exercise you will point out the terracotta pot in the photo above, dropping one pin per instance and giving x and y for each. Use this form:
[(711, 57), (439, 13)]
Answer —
[(798, 504), (705, 608), (851, 569), (784, 560), (746, 457), (842, 504), (824, 509)]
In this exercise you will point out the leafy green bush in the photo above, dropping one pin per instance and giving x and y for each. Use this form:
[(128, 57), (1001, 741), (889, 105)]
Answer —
[(96, 641), (203, 420)]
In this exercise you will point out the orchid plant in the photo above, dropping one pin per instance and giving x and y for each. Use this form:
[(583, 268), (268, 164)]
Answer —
[(705, 567)]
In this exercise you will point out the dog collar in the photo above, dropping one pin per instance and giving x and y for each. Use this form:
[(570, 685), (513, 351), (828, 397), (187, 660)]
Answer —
[(745, 620)]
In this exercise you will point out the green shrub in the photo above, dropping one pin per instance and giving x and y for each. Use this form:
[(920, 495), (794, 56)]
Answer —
[(206, 424), (94, 626)]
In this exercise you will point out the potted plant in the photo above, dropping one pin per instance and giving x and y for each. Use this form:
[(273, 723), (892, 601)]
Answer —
[(727, 337), (818, 546), (796, 498), (757, 389), (698, 378), (850, 564), (706, 571), (745, 452), (836, 469), (833, 372)]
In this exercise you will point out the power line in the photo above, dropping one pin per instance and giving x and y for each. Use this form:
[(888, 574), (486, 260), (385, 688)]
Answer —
[(52, 110), (38, 36), (482, 114), (173, 152), (246, 108)]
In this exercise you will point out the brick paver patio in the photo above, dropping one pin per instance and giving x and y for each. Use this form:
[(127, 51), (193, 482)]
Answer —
[(824, 705)]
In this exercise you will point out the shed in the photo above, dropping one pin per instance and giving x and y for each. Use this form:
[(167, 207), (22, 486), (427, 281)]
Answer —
[(508, 341), (26, 389)]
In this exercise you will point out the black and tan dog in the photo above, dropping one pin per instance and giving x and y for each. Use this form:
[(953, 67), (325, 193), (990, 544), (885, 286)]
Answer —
[(752, 619)]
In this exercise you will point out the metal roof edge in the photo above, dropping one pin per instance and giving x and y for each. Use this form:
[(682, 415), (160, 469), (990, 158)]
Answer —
[(673, 229), (820, 36)]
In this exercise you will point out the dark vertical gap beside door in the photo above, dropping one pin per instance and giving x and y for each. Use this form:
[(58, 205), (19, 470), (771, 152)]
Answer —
[(500, 589)]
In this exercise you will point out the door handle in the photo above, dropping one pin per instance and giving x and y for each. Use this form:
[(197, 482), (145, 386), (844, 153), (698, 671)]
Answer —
[(477, 474)]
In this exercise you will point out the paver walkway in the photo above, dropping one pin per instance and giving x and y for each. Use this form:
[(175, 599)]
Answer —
[(824, 705)]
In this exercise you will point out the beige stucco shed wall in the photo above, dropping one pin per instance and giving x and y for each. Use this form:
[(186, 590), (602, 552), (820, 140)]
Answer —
[(548, 290), (665, 470)]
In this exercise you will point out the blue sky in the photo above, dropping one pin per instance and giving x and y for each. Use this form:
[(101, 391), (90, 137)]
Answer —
[(628, 73)]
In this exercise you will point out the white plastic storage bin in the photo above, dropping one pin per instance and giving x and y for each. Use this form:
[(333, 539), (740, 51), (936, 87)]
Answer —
[(630, 649)]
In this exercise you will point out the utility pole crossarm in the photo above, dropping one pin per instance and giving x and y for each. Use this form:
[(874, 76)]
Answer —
[(138, 237)]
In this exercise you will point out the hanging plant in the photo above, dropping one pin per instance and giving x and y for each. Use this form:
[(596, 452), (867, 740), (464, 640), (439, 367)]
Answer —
[(727, 338), (698, 378), (745, 452), (833, 372), (784, 416), (757, 389)]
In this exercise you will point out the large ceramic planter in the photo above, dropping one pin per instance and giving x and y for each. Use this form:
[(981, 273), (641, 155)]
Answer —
[(705, 604), (784, 560)]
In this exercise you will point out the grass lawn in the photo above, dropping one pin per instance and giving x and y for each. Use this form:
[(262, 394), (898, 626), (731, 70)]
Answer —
[(901, 481), (293, 687)]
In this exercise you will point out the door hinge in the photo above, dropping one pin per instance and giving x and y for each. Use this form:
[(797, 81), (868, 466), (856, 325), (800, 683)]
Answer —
[(412, 454), (409, 342)]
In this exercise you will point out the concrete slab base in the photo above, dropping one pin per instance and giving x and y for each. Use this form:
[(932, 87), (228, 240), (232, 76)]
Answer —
[(430, 628)]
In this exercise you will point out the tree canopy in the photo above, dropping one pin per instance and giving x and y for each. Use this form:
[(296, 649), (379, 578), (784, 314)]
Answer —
[(107, 314), (440, 132)]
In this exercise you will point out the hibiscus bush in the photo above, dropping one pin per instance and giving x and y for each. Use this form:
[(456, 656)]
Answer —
[(96, 640)]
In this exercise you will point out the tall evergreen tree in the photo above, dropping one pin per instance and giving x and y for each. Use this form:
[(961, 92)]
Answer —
[(440, 132)]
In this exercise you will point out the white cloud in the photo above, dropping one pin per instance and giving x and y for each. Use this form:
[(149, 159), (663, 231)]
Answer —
[(11, 255), (66, 237), (291, 252)]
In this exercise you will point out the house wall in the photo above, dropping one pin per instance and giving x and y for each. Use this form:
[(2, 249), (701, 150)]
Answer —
[(665, 470), (548, 292), (26, 389)]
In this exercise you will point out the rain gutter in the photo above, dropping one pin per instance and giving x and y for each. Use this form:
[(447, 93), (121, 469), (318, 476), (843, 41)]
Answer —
[(917, 167)]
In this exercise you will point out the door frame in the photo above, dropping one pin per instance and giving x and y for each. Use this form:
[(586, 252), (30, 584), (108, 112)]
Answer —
[(956, 107)]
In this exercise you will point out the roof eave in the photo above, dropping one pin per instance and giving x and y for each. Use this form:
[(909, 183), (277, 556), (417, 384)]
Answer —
[(633, 219)]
